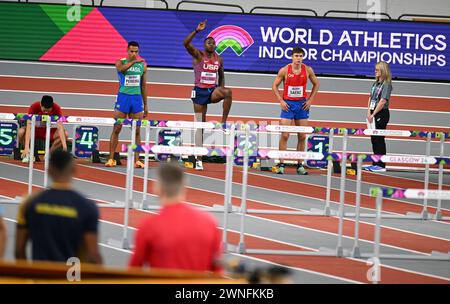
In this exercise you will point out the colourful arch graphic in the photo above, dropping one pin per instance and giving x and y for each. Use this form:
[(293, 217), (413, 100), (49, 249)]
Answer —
[(231, 36)]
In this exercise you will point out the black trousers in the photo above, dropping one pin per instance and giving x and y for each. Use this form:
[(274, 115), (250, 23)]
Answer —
[(378, 142)]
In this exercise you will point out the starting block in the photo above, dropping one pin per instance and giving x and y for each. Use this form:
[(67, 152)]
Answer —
[(190, 162)]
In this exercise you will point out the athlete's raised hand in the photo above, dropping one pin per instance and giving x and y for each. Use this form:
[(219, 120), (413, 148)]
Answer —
[(201, 26)]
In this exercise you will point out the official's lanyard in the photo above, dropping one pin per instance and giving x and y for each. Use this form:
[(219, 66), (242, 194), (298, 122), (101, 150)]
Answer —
[(378, 91)]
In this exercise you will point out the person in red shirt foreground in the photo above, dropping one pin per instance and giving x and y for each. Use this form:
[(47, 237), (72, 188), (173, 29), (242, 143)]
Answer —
[(180, 237), (57, 139)]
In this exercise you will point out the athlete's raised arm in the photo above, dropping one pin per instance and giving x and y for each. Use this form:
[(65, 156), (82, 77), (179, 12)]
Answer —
[(195, 53)]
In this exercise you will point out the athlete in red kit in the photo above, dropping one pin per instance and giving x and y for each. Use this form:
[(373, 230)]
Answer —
[(294, 103)]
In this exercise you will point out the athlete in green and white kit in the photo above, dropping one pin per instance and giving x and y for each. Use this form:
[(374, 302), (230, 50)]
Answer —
[(131, 100)]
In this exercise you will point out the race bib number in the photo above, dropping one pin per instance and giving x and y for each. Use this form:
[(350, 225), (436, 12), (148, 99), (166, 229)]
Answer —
[(132, 80), (208, 78), (295, 92), (372, 105)]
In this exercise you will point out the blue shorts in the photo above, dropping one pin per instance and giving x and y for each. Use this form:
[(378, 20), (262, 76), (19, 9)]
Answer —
[(295, 110), (127, 104), (202, 96)]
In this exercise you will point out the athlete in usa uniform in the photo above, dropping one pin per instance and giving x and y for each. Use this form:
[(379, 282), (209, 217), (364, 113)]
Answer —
[(294, 102), (209, 81)]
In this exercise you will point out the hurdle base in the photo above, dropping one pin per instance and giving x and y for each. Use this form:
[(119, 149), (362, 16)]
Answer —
[(9, 202), (151, 203), (438, 254), (438, 216), (356, 252), (339, 251), (112, 206), (315, 212), (422, 216), (435, 256), (221, 208), (226, 248), (123, 244), (151, 207), (408, 216), (325, 212), (321, 252), (133, 204), (240, 248)]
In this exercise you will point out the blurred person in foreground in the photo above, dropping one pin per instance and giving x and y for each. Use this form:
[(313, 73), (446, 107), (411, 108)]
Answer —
[(181, 236), (3, 235), (59, 222)]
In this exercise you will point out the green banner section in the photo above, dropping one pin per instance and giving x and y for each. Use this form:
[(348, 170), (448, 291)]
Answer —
[(65, 17), (27, 31)]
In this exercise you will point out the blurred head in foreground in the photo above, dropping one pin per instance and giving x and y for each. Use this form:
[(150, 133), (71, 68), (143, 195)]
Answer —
[(171, 182)]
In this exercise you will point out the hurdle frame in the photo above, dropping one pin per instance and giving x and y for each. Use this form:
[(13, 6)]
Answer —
[(340, 251), (379, 194), (228, 187)]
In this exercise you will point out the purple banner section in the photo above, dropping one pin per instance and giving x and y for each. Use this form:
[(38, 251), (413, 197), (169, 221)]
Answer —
[(264, 43)]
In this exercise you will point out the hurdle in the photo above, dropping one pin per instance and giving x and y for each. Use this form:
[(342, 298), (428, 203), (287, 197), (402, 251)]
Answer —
[(150, 203), (157, 149), (49, 120), (241, 248), (197, 151), (392, 158), (427, 160), (411, 193), (263, 153), (342, 157), (438, 215)]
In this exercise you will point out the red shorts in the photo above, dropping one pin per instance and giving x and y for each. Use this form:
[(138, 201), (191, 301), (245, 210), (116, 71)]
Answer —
[(40, 133)]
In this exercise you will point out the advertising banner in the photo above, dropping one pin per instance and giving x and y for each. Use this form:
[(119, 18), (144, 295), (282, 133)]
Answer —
[(247, 42)]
